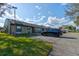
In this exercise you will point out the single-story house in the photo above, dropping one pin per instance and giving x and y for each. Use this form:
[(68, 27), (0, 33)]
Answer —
[(14, 26)]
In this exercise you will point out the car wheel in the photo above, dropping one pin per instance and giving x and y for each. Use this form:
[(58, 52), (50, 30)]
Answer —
[(58, 35)]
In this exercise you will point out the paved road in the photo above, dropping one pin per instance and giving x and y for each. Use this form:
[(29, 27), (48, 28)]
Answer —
[(67, 45)]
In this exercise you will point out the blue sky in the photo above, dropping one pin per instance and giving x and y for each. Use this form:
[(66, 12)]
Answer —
[(33, 11), (29, 10), (50, 14)]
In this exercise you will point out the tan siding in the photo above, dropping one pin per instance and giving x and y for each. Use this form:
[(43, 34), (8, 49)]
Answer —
[(13, 28)]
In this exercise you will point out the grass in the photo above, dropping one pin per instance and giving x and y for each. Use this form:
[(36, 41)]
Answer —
[(22, 35), (22, 46)]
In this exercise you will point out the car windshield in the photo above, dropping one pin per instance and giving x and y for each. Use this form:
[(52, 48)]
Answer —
[(53, 30)]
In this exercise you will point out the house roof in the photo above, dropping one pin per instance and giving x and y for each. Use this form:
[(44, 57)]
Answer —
[(15, 22)]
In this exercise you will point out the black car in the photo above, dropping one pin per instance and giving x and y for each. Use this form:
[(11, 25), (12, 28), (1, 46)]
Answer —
[(52, 32)]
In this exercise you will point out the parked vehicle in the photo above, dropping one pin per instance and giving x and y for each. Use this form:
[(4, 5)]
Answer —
[(65, 30), (52, 32)]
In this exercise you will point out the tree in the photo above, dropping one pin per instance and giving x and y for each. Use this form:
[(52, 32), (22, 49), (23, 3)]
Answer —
[(73, 11), (4, 7)]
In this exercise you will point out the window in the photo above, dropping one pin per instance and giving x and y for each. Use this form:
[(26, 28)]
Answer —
[(18, 29), (42, 29), (28, 28)]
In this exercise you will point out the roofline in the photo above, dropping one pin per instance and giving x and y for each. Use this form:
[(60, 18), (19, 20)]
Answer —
[(26, 24)]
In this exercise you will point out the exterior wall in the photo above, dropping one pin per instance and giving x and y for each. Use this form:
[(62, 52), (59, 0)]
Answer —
[(44, 30), (29, 29), (12, 29), (24, 29), (38, 30), (6, 25), (33, 29)]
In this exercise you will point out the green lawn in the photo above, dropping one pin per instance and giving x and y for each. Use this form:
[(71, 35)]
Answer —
[(22, 46)]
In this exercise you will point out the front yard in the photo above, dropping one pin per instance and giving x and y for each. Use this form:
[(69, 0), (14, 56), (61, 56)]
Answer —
[(22, 46)]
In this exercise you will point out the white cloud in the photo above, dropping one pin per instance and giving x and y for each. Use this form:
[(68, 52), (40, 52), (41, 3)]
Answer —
[(38, 7), (63, 4), (57, 22), (52, 20), (28, 20), (41, 18), (39, 14), (2, 20), (49, 12), (70, 23), (35, 20), (12, 16), (7, 15), (1, 24)]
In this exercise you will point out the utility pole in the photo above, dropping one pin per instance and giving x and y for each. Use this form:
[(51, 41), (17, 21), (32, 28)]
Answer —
[(14, 11)]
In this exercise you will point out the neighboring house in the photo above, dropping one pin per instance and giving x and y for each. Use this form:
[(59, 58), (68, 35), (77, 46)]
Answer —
[(16, 27), (77, 27)]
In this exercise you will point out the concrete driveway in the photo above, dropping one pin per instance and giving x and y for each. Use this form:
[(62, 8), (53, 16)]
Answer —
[(67, 45)]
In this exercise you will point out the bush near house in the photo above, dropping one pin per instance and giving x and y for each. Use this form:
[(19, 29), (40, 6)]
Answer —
[(22, 46), (71, 28)]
